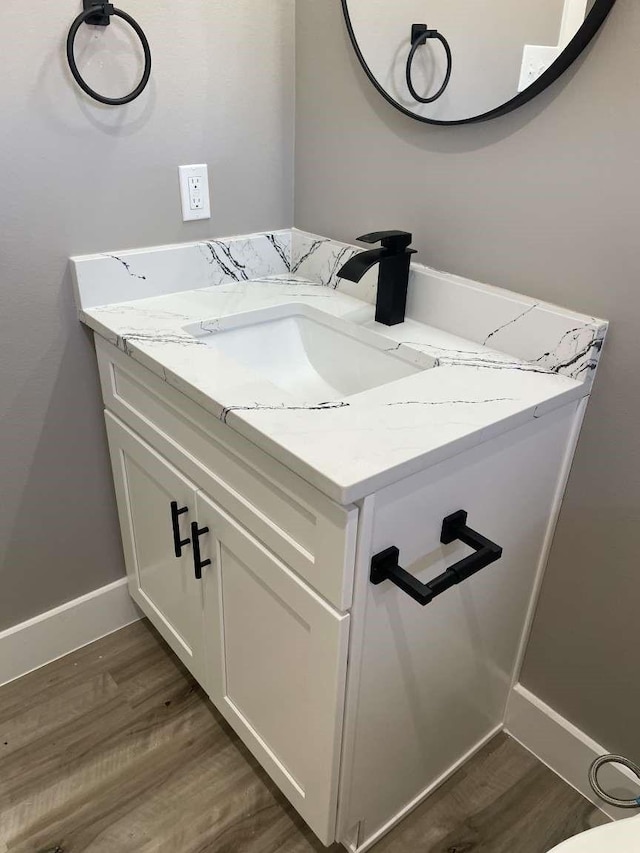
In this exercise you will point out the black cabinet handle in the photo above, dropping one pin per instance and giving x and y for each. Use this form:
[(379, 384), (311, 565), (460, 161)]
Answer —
[(178, 543), (198, 562), (384, 566)]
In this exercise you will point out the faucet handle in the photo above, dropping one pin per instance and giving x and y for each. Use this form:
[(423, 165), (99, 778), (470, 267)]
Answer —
[(396, 241)]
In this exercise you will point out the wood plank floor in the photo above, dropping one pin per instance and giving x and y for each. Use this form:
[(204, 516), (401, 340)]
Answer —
[(115, 749)]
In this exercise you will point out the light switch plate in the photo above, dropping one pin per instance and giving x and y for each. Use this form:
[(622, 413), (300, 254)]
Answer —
[(194, 192)]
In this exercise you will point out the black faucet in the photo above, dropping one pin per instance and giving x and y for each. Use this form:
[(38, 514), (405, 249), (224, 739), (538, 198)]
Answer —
[(393, 279)]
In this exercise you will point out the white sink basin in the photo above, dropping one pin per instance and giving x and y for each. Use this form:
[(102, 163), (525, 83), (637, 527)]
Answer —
[(311, 355)]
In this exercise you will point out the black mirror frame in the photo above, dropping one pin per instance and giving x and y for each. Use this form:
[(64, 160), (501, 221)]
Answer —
[(592, 23)]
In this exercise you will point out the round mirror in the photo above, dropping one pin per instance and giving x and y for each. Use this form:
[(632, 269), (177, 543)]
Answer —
[(459, 61)]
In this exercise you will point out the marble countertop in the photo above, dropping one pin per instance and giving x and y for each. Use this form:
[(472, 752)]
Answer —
[(351, 447)]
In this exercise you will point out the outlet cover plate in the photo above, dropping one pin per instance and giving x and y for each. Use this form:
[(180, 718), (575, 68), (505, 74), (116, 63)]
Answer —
[(195, 205)]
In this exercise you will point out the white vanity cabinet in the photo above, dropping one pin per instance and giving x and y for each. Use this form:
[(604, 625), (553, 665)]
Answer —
[(355, 699), (270, 651)]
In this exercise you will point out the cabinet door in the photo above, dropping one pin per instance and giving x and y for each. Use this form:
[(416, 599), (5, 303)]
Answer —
[(276, 665), (163, 586)]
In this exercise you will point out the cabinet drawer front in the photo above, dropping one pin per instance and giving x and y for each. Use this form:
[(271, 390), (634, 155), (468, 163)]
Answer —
[(162, 585), (276, 665), (313, 535)]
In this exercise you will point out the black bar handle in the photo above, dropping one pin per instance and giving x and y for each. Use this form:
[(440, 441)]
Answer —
[(384, 566), (178, 543), (198, 563)]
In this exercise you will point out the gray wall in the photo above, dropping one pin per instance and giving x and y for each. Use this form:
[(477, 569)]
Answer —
[(76, 177), (544, 201)]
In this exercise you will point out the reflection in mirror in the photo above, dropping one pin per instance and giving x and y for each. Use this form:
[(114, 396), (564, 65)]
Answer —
[(456, 60)]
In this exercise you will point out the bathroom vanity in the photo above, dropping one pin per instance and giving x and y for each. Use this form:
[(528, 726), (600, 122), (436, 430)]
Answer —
[(270, 442)]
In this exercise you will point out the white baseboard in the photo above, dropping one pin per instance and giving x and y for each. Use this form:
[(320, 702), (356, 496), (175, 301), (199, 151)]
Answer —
[(64, 629), (566, 750)]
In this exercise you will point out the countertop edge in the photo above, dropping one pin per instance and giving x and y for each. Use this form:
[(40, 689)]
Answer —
[(354, 492)]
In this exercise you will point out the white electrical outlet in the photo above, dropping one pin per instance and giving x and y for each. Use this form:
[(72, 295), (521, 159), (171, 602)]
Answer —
[(536, 58), (194, 191)]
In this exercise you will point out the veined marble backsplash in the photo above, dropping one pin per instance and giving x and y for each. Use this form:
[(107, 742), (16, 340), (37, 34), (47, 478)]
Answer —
[(125, 276), (548, 337)]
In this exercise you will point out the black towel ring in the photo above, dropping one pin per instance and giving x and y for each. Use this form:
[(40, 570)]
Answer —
[(419, 35), (99, 14)]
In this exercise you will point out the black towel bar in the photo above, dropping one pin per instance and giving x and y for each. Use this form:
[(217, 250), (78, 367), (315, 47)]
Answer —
[(384, 566)]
